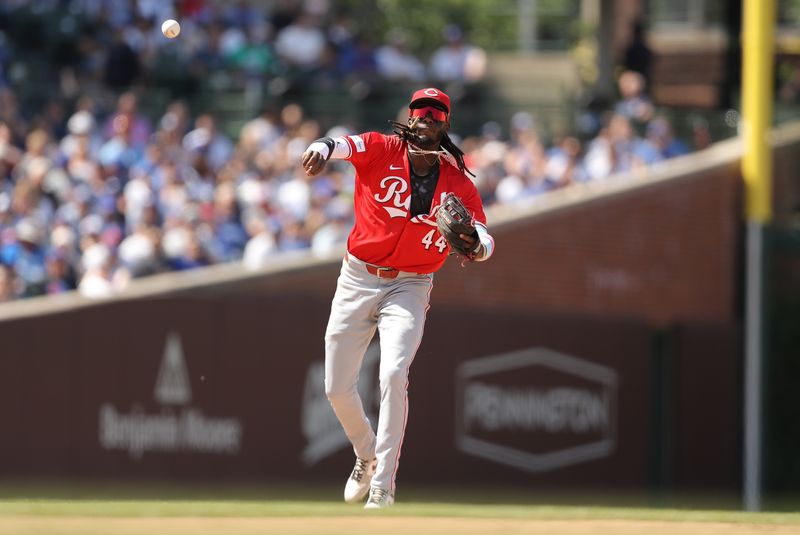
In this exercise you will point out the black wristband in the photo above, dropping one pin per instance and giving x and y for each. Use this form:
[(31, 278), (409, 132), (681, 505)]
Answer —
[(329, 142)]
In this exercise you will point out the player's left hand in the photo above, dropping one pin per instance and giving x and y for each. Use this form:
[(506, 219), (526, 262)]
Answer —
[(468, 240), (456, 225), (312, 162)]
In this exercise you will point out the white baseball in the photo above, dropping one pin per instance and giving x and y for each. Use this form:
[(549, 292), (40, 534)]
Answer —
[(170, 28)]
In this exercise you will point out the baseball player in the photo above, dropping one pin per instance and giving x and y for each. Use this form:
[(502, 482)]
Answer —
[(403, 182)]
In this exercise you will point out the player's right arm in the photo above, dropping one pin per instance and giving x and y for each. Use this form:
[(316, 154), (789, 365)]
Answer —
[(322, 150), (361, 150)]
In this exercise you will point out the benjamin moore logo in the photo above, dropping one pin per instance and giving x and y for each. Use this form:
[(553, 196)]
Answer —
[(323, 433), (172, 385), (177, 427), (536, 409)]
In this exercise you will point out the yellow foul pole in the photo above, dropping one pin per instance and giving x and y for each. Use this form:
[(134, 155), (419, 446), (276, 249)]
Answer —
[(758, 58), (757, 80)]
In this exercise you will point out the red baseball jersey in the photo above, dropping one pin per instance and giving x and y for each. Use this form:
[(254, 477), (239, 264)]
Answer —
[(384, 233)]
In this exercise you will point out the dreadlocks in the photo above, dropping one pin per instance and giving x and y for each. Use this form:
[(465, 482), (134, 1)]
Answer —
[(408, 133)]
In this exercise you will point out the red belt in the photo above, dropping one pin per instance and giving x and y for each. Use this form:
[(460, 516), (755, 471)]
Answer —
[(382, 272), (378, 271)]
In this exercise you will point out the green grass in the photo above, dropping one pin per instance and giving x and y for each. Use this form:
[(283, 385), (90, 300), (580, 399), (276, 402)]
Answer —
[(140, 500), (247, 509)]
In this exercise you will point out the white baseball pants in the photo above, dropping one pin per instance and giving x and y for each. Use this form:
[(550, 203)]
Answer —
[(396, 307)]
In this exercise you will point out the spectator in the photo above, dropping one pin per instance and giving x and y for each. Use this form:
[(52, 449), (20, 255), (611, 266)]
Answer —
[(628, 151), (80, 130), (394, 61), (241, 13), (10, 154), (283, 13), (119, 153), (634, 103), (564, 165), (525, 168), (38, 147), (301, 43), (599, 159), (701, 133), (138, 126), (333, 235), (9, 284), (137, 195), (96, 281), (356, 62), (638, 56), (624, 149), (229, 235), (456, 60), (137, 252), (25, 256), (175, 242), (11, 113), (210, 59), (660, 135), (122, 65), (261, 132), (194, 253), (293, 236), (64, 244), (82, 165), (261, 245), (142, 38), (206, 139), (255, 58), (172, 194), (60, 274), (28, 199)]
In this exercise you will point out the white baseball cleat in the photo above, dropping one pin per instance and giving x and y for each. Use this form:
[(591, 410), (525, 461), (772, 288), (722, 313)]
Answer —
[(379, 498), (357, 486)]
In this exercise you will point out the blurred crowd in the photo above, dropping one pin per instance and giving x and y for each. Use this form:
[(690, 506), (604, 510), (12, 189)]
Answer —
[(98, 195), (115, 197), (308, 43)]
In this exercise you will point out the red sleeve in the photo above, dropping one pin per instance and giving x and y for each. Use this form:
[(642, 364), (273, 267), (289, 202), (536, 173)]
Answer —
[(364, 148)]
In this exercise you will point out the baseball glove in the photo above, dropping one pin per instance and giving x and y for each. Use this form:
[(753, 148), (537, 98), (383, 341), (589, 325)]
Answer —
[(453, 219)]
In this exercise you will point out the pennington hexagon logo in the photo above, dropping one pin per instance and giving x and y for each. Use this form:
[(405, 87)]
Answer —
[(536, 409)]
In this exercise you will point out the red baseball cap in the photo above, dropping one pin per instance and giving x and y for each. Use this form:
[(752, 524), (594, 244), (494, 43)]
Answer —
[(430, 95)]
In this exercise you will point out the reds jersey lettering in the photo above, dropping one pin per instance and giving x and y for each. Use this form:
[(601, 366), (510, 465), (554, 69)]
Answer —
[(384, 232), (395, 187)]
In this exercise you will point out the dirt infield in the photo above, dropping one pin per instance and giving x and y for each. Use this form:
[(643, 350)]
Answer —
[(386, 525)]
